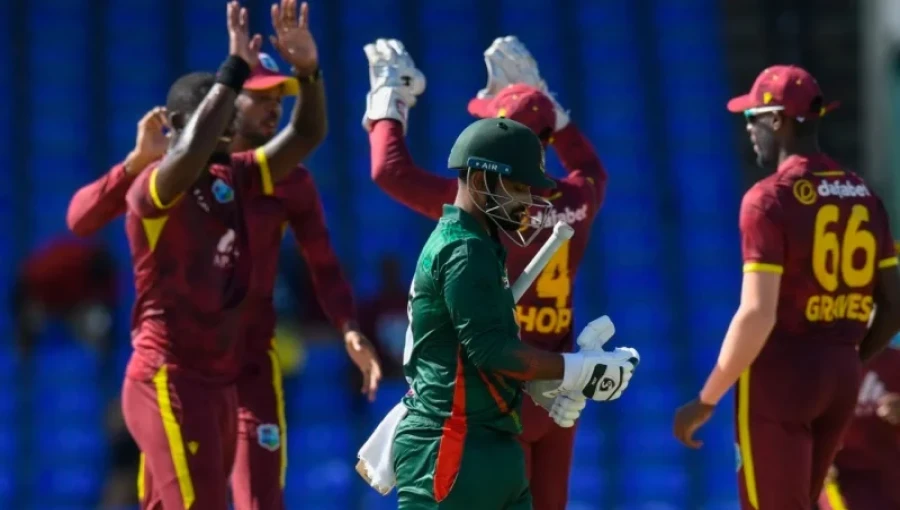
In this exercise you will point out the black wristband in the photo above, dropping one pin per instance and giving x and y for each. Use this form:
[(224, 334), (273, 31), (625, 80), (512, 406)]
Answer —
[(233, 73)]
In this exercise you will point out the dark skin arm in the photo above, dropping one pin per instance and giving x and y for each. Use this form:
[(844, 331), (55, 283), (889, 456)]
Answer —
[(309, 123), (887, 314), (196, 143), (201, 134)]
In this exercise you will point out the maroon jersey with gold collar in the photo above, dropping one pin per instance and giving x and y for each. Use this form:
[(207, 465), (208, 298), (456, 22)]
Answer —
[(827, 233), (192, 269)]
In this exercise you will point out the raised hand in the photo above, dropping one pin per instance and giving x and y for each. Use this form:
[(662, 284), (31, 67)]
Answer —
[(152, 141), (292, 38), (240, 44)]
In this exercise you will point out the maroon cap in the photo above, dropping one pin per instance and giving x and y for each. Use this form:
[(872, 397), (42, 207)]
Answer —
[(787, 88), (521, 103), (266, 75)]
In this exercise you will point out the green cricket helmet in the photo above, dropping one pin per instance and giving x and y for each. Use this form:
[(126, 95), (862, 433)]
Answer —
[(503, 146), (510, 151)]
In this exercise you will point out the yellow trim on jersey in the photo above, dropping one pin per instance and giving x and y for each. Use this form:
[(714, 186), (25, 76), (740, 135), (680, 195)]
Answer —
[(279, 405), (154, 192), (153, 228), (141, 487), (888, 262), (829, 173), (264, 171), (744, 438), (833, 496), (173, 436), (762, 267)]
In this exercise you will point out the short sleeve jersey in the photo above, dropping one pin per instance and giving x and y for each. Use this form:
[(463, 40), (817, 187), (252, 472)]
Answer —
[(824, 230), (192, 268)]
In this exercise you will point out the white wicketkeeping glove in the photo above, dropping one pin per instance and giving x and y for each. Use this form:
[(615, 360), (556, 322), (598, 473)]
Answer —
[(394, 82), (509, 62)]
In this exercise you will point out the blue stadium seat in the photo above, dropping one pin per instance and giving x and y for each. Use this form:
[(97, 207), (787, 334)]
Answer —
[(64, 361), (61, 485), (372, 500), (319, 400), (10, 399), (324, 362), (311, 442), (330, 482), (75, 443), (8, 484), (652, 483), (56, 402), (588, 483)]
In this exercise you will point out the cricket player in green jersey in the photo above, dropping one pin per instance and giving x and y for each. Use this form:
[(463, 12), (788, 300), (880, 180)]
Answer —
[(456, 448)]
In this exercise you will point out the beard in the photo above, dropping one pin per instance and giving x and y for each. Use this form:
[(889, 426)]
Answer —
[(512, 220)]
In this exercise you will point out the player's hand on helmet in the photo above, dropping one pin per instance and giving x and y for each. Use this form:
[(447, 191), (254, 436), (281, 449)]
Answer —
[(509, 62), (292, 38), (152, 140), (363, 355), (395, 82), (240, 43)]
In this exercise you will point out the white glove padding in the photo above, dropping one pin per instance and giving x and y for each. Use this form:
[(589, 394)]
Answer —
[(566, 409), (509, 62), (599, 375), (392, 68)]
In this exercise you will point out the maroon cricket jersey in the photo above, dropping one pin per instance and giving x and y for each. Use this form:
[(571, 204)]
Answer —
[(295, 203), (192, 270), (827, 234), (545, 311), (871, 443)]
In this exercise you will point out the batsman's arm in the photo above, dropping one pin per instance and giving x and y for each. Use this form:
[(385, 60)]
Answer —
[(98, 203), (394, 171), (303, 134), (580, 159), (762, 242), (307, 221), (480, 307), (886, 323)]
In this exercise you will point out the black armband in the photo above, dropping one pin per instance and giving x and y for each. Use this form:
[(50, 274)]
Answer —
[(233, 73)]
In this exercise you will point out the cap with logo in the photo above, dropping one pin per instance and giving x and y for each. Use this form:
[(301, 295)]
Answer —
[(266, 75), (504, 146), (790, 89), (521, 103)]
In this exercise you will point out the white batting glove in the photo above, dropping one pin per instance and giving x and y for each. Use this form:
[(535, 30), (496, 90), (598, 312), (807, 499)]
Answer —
[(509, 62), (599, 375), (395, 82), (567, 408)]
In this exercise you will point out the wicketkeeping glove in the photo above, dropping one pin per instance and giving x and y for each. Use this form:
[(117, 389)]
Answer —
[(394, 82), (509, 62)]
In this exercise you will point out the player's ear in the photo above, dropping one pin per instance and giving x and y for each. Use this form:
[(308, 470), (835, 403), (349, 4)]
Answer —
[(777, 121), (177, 120)]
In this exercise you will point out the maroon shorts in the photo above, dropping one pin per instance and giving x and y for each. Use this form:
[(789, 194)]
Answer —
[(861, 490), (258, 478), (548, 456), (186, 431), (792, 408)]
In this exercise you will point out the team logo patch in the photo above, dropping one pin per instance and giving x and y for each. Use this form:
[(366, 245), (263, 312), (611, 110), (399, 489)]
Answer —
[(268, 436), (268, 62), (805, 192), (222, 191), (737, 457)]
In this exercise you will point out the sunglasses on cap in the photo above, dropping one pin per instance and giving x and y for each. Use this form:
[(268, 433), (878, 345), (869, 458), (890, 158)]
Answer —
[(752, 113)]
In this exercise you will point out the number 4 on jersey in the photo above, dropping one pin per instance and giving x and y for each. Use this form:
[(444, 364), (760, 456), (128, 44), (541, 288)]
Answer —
[(553, 282)]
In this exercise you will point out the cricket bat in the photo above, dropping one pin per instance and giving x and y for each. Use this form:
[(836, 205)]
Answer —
[(562, 232), (375, 458)]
